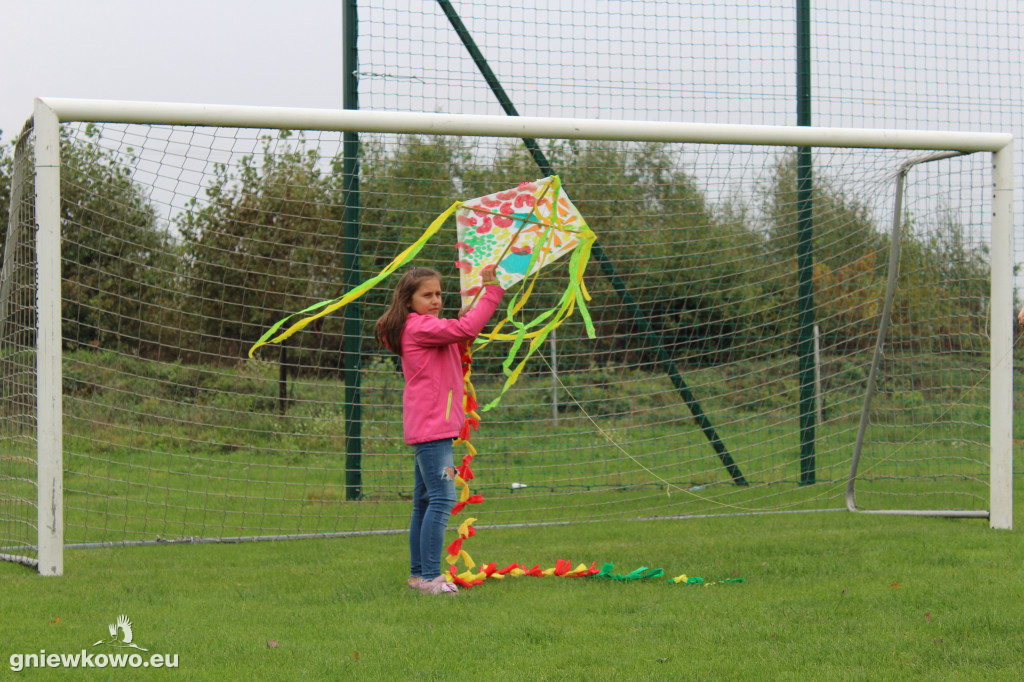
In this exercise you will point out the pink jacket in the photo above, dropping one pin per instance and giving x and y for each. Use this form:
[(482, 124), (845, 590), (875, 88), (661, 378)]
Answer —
[(432, 351)]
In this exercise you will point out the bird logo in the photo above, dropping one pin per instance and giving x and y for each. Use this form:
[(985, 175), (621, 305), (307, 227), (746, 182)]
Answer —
[(124, 639)]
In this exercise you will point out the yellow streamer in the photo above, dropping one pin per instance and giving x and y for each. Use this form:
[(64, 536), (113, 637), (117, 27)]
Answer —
[(329, 306), (464, 527)]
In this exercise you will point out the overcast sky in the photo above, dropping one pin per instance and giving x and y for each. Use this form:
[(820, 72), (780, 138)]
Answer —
[(261, 52)]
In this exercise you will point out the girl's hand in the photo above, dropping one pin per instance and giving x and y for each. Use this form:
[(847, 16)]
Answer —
[(489, 275), (1020, 316)]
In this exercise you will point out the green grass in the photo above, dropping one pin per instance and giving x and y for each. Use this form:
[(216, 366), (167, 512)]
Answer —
[(169, 450), (827, 596), (204, 452)]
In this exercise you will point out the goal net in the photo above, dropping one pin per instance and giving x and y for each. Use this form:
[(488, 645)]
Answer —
[(737, 297)]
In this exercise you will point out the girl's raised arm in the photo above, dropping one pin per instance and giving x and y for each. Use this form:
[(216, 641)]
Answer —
[(433, 331)]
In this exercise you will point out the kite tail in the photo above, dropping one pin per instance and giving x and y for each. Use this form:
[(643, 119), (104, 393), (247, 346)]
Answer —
[(323, 308), (575, 296)]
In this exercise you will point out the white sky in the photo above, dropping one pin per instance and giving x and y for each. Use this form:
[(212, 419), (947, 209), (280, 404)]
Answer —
[(260, 52)]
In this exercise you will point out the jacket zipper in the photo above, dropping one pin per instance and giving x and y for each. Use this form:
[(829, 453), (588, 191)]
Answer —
[(448, 409)]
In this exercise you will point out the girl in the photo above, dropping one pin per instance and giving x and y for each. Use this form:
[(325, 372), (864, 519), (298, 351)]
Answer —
[(431, 349)]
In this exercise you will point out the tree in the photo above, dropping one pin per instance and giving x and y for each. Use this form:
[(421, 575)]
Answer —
[(943, 279), (943, 296), (849, 251), (6, 175), (406, 183), (264, 243), (113, 256)]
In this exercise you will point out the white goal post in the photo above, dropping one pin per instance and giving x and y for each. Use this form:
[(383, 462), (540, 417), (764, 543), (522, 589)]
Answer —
[(51, 113)]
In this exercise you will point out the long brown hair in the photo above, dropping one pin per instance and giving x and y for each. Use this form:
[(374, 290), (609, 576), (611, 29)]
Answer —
[(388, 331)]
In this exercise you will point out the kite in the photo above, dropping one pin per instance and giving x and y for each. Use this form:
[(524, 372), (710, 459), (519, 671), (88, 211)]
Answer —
[(522, 229)]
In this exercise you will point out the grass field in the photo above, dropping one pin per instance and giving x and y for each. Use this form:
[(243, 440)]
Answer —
[(827, 596), (831, 595)]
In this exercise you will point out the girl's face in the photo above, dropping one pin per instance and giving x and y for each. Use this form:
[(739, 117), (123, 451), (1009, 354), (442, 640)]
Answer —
[(426, 300)]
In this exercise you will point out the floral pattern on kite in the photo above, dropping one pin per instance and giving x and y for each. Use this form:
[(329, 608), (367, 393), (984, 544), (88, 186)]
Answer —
[(526, 227)]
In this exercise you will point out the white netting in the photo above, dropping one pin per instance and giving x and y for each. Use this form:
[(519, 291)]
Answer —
[(182, 245)]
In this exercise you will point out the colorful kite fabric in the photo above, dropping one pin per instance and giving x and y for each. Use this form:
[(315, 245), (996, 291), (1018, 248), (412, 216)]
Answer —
[(525, 228)]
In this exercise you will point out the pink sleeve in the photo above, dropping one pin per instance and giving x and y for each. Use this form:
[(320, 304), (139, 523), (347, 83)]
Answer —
[(434, 331)]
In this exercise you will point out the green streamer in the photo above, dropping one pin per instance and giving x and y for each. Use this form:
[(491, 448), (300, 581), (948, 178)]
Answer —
[(329, 306)]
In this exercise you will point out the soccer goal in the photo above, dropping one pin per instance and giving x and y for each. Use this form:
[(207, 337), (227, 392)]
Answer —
[(785, 320)]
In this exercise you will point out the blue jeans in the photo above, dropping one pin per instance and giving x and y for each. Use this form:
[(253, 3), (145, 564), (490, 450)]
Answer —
[(432, 500)]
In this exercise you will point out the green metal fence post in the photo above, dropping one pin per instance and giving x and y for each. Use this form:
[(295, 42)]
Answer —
[(805, 247), (350, 263)]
